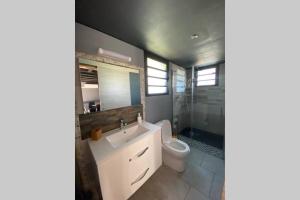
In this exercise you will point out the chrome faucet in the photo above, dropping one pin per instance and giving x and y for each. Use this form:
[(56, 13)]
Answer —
[(123, 124)]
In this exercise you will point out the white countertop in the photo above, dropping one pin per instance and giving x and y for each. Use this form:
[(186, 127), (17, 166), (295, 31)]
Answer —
[(102, 149)]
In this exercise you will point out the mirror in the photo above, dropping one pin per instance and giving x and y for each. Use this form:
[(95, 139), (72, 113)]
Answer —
[(106, 86)]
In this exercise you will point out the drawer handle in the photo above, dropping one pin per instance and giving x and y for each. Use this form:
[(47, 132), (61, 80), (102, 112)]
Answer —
[(140, 154), (140, 177)]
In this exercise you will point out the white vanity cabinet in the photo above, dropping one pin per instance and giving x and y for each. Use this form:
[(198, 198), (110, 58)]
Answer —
[(127, 168)]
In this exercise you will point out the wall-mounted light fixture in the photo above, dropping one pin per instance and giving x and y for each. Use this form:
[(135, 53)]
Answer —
[(114, 55)]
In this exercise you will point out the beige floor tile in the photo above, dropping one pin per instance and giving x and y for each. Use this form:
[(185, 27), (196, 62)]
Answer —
[(216, 188), (194, 194), (199, 178), (214, 164), (202, 180), (196, 156), (163, 185)]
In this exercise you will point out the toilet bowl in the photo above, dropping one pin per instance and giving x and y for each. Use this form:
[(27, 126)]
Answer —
[(174, 151)]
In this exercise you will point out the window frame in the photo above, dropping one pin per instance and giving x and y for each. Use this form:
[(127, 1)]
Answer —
[(208, 67), (159, 59)]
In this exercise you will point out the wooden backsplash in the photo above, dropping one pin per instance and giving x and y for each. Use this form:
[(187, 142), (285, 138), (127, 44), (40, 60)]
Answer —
[(108, 120)]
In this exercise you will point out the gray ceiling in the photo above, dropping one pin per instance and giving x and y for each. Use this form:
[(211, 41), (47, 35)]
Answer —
[(162, 27)]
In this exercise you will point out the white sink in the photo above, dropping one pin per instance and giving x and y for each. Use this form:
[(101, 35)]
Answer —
[(126, 134)]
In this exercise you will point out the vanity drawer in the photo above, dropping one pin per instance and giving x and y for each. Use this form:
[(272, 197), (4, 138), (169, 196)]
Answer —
[(141, 170), (140, 179), (139, 164), (138, 149), (139, 158)]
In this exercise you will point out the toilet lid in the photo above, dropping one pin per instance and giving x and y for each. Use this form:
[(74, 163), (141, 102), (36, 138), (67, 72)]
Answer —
[(166, 130)]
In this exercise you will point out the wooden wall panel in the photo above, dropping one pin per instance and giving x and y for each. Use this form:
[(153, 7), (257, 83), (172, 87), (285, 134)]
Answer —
[(108, 120)]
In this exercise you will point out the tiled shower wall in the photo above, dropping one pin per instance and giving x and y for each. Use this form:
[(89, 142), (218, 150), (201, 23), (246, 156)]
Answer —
[(209, 106)]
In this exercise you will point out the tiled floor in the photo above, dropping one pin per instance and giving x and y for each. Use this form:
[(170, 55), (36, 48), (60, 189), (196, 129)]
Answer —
[(214, 151), (203, 179)]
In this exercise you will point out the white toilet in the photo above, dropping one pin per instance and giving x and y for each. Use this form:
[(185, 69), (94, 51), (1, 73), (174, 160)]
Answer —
[(174, 151)]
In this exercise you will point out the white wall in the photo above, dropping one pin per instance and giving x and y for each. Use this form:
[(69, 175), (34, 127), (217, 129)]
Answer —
[(88, 40), (90, 94), (114, 87)]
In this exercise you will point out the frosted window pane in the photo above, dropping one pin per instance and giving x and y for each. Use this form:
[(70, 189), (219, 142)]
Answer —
[(210, 82), (180, 78), (156, 90), (180, 89), (206, 77), (157, 81), (180, 84), (207, 71), (156, 64), (157, 73)]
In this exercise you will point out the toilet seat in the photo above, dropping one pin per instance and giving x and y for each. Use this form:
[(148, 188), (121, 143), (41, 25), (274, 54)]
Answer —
[(176, 147)]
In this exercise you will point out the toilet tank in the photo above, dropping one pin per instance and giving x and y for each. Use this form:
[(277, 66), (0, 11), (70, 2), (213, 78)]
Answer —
[(166, 130)]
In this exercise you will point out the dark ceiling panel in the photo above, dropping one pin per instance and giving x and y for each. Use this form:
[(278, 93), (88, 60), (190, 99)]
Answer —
[(163, 27)]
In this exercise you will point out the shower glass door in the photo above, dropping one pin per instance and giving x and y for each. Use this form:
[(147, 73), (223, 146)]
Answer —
[(181, 107)]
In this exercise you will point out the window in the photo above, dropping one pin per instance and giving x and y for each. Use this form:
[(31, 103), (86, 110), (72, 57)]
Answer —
[(156, 76), (180, 80), (207, 76)]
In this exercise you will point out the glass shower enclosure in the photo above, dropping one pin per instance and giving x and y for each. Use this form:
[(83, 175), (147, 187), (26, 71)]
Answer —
[(198, 111)]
